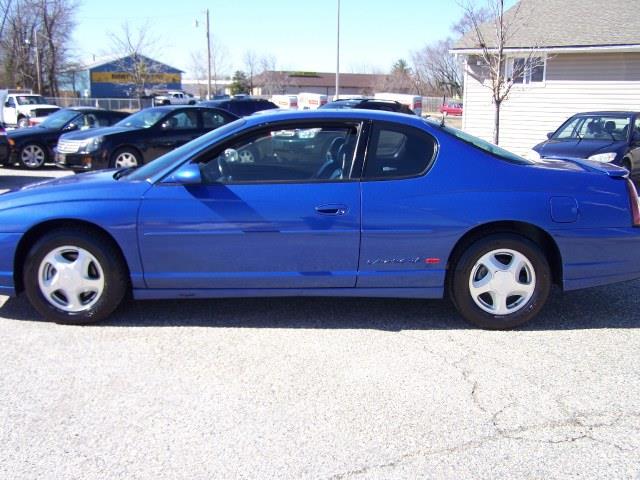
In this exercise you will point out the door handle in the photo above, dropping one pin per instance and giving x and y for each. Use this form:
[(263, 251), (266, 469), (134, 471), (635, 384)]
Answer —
[(336, 210)]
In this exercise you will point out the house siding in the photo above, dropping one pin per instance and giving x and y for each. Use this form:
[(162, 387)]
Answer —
[(574, 83)]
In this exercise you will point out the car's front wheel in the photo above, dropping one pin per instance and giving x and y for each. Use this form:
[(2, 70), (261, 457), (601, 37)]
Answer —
[(32, 156), (74, 276), (126, 158), (500, 282)]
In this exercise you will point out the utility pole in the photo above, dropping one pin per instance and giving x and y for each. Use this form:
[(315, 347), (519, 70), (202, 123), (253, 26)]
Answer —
[(208, 59), (35, 42), (338, 56)]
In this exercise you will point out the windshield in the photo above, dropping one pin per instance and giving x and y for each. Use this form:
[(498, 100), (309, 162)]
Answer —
[(155, 167), (59, 119), (143, 119), (30, 100), (595, 127), (484, 145)]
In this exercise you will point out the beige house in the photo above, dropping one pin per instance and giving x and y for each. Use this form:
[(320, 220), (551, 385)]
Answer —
[(589, 55)]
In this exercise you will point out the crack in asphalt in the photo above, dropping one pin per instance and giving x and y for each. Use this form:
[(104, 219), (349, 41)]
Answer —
[(576, 420), (502, 434)]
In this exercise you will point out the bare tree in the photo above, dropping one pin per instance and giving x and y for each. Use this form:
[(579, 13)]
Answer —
[(251, 65), (131, 48), (219, 63), (35, 42), (270, 79), (492, 67), (436, 71)]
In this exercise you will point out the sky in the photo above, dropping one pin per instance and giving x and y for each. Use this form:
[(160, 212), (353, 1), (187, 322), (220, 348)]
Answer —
[(299, 34)]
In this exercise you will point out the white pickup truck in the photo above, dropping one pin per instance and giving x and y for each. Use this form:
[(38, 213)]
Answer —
[(174, 97), (18, 106)]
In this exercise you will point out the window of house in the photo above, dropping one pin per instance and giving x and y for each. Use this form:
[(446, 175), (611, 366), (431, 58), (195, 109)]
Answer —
[(525, 71)]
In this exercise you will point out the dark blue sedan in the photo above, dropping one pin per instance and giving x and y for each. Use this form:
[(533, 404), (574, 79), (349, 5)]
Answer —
[(326, 203), (605, 137)]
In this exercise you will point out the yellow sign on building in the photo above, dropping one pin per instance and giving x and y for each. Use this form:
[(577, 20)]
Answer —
[(124, 77)]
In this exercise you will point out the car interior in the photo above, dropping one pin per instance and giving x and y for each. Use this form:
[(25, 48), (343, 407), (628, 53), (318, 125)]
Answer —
[(313, 154)]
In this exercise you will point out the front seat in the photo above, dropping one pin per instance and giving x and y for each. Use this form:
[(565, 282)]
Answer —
[(332, 161)]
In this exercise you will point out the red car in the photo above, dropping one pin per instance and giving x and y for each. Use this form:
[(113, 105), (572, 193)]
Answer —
[(451, 109)]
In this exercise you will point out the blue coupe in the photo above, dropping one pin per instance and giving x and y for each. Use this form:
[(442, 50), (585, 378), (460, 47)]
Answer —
[(326, 203)]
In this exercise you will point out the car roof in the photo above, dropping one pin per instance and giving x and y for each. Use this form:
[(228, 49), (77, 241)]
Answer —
[(607, 112), (334, 114)]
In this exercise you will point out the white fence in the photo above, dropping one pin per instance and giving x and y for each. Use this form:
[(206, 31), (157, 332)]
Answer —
[(127, 104)]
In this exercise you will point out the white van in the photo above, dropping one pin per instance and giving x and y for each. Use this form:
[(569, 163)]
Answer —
[(414, 102), (311, 101), (287, 102)]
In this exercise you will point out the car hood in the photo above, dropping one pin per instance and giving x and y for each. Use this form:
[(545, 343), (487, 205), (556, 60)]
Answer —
[(96, 132), (22, 133), (101, 185), (577, 148), (37, 107)]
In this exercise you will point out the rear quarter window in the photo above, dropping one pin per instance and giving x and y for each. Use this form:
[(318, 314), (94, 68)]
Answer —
[(397, 151)]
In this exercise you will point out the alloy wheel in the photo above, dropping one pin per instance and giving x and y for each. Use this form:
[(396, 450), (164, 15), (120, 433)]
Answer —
[(71, 279), (502, 282), (32, 156)]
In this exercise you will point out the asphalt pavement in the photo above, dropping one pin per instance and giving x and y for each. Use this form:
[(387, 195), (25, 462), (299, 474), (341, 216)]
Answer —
[(322, 388)]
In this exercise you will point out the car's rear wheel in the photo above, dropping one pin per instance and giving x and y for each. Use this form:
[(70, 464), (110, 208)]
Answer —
[(32, 156), (500, 282), (126, 158), (74, 276)]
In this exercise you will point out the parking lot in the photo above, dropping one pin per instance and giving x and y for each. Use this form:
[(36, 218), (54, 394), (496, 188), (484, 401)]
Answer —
[(321, 388)]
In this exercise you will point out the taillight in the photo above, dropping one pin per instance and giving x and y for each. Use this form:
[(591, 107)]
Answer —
[(633, 200)]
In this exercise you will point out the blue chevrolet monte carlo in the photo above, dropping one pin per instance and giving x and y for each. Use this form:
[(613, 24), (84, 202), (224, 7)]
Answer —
[(325, 203)]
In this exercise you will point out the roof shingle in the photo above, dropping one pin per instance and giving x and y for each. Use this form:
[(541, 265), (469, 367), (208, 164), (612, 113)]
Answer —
[(565, 23)]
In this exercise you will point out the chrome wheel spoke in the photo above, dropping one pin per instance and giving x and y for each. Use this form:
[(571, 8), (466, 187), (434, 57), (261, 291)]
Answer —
[(499, 303)]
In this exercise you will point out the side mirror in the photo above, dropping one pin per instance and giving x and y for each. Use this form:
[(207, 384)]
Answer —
[(549, 135), (7, 104), (70, 127), (186, 175)]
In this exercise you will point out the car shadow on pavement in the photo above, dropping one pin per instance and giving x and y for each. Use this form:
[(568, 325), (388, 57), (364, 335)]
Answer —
[(606, 307)]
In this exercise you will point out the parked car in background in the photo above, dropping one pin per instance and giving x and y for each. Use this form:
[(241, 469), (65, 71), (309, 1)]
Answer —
[(17, 107), (369, 104), (413, 102), (451, 109), (405, 207), (174, 97), (32, 147), (604, 137), (139, 138), (241, 106)]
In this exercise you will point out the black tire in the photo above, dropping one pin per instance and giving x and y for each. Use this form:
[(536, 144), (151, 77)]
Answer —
[(116, 279), (460, 291), (125, 150)]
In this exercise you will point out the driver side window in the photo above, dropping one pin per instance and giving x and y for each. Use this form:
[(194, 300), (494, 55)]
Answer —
[(184, 120), (315, 153)]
